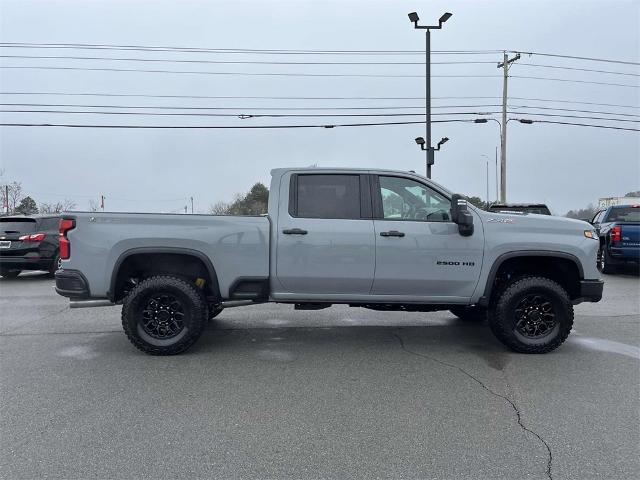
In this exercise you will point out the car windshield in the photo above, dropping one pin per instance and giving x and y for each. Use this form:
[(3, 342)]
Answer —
[(17, 225), (624, 214)]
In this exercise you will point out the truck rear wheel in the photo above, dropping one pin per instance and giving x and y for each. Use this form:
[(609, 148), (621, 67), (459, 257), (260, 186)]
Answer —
[(164, 315), (532, 315), (470, 314)]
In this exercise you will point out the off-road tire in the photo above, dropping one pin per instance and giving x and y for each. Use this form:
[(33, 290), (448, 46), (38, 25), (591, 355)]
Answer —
[(605, 263), (9, 273), (502, 318), (470, 314), (193, 303)]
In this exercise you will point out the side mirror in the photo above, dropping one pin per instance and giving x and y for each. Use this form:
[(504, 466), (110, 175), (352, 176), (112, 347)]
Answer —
[(461, 215)]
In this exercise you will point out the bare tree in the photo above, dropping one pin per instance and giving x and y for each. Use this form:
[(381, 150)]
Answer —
[(219, 208), (57, 207)]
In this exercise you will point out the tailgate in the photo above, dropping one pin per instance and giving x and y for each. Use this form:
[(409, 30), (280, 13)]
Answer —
[(630, 234), (11, 229)]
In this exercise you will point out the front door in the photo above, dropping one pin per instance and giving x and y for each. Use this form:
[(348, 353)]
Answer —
[(325, 240), (419, 252)]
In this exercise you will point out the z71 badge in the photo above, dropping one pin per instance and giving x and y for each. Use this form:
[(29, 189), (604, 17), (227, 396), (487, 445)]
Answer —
[(500, 220)]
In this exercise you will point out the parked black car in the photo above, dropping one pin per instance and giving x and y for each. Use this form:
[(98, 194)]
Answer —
[(29, 243), (539, 208)]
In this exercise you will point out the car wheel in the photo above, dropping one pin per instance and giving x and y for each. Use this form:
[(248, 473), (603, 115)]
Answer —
[(532, 315), (9, 273), (55, 265), (470, 314), (164, 315), (604, 261)]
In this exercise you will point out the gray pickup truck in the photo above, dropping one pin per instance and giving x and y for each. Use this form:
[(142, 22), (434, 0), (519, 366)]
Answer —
[(377, 239)]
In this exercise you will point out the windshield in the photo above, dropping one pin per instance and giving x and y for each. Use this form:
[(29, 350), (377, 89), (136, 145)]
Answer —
[(624, 214), (17, 225)]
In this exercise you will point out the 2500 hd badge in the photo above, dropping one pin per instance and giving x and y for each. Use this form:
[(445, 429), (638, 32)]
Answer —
[(455, 264)]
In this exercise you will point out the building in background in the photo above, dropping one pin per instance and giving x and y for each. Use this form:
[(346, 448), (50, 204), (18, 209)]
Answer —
[(606, 202)]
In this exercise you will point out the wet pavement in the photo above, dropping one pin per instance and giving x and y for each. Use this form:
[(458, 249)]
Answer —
[(269, 392)]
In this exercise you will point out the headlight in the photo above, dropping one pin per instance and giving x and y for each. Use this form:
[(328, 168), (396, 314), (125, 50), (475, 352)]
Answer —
[(591, 234)]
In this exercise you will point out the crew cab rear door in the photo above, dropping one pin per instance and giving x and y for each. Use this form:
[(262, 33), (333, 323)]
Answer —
[(420, 255), (325, 241)]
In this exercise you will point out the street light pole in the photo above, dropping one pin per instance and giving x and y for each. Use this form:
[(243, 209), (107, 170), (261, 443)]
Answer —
[(413, 17), (427, 95)]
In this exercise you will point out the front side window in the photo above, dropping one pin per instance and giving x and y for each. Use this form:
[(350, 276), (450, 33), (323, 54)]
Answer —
[(406, 199), (328, 196)]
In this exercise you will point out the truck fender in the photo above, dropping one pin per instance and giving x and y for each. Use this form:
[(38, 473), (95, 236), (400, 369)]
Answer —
[(174, 250)]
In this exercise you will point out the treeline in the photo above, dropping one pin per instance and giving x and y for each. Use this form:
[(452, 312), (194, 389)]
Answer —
[(14, 201), (252, 203)]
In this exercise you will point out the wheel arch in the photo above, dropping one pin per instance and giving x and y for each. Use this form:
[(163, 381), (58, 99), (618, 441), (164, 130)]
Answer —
[(568, 272), (128, 255)]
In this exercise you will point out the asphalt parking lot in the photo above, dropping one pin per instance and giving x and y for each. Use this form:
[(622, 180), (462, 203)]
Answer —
[(269, 392)]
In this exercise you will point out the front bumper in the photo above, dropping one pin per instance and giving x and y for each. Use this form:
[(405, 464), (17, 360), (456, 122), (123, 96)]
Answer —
[(590, 291), (72, 284)]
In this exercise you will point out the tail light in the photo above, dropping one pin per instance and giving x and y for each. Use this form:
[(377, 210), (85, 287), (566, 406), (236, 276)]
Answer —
[(35, 237), (616, 234), (66, 224)]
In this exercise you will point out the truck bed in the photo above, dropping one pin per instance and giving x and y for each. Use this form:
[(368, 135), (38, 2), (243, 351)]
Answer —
[(238, 246)]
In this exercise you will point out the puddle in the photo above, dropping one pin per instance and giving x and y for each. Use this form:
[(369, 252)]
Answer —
[(80, 352), (609, 346), (275, 355)]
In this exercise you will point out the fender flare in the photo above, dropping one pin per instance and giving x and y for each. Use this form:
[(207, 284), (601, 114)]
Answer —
[(484, 299), (173, 250)]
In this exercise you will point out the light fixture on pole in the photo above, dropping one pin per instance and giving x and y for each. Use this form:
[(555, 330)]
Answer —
[(414, 18)]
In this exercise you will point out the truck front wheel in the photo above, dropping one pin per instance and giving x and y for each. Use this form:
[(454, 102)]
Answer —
[(164, 315), (532, 315)]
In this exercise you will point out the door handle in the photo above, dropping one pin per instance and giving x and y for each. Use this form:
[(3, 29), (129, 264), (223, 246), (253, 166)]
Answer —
[(294, 231), (392, 233)]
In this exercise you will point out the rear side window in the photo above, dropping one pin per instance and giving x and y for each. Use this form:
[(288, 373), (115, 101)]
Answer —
[(327, 196), (17, 225)]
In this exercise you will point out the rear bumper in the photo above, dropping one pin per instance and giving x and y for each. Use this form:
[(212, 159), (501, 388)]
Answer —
[(590, 291), (25, 263), (72, 284), (625, 254)]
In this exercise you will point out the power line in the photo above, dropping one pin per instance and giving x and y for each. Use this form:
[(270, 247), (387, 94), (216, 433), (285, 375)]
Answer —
[(163, 107), (89, 46), (261, 62), (573, 68), (573, 57), (584, 125), (233, 62), (242, 116), (312, 115), (211, 127), (231, 97), (576, 81), (290, 74), (248, 74), (225, 127)]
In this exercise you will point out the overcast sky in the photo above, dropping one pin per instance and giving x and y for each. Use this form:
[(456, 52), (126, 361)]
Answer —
[(157, 170)]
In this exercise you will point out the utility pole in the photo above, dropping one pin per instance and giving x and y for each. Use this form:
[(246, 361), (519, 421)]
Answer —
[(503, 138), (496, 173), (6, 197), (102, 197), (192, 205)]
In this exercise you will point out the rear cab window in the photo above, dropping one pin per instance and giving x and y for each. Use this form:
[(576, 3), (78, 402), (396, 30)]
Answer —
[(624, 214), (17, 225), (330, 196)]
